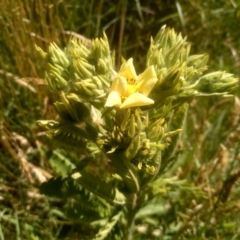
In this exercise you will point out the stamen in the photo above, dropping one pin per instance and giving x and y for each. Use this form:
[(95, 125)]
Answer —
[(131, 81)]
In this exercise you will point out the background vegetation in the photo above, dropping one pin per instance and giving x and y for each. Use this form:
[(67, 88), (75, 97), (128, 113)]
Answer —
[(208, 152)]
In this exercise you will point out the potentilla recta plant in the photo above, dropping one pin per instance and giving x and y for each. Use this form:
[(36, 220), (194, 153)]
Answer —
[(123, 124)]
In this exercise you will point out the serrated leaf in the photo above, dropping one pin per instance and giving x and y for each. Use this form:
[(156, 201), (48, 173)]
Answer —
[(97, 186), (103, 232), (176, 122), (83, 209), (126, 170), (62, 188), (61, 163), (53, 187), (70, 140)]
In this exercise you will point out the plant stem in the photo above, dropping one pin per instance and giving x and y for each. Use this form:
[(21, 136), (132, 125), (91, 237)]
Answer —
[(132, 210)]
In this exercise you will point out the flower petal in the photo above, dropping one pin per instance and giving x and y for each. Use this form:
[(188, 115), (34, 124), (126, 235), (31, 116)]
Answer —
[(113, 100), (147, 80), (119, 85), (136, 100), (127, 70)]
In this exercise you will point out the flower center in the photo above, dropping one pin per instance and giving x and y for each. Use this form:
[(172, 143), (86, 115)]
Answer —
[(131, 87)]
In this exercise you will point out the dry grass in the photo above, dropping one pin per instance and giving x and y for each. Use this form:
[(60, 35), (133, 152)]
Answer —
[(210, 143)]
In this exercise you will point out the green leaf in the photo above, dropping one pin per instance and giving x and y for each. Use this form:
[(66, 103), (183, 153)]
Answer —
[(53, 187), (86, 209), (62, 188), (97, 186), (70, 140), (61, 163), (70, 133), (72, 106), (152, 208), (175, 123), (123, 167), (103, 232), (217, 82)]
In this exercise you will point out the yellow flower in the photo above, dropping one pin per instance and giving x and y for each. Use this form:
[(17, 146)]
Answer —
[(130, 90)]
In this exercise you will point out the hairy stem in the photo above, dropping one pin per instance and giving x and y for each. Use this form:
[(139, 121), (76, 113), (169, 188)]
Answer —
[(132, 210)]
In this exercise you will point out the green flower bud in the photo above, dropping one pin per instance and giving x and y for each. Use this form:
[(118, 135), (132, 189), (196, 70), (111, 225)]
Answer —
[(133, 148), (41, 52), (172, 133), (155, 130), (132, 127), (217, 82), (125, 120), (176, 54), (55, 82), (58, 56), (102, 66), (139, 123), (82, 71), (76, 49), (199, 62)]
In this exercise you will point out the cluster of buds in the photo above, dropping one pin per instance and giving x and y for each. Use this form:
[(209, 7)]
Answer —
[(128, 117)]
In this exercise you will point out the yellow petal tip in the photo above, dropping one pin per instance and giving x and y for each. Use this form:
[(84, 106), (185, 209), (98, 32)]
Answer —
[(136, 100), (113, 100)]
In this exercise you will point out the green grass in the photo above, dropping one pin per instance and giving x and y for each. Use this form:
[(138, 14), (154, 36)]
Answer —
[(209, 146)]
